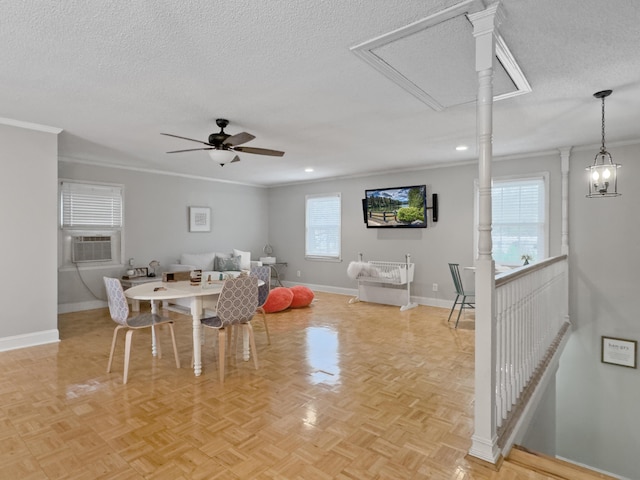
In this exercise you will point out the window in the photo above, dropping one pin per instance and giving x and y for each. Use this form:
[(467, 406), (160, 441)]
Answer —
[(519, 218), (323, 226), (91, 224)]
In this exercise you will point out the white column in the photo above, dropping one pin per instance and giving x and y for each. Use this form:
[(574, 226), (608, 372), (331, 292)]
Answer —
[(484, 441), (565, 154)]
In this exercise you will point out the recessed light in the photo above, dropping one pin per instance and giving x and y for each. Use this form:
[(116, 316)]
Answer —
[(462, 148), (308, 170)]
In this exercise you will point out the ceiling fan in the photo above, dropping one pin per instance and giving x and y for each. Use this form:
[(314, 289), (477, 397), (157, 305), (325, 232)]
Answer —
[(222, 146)]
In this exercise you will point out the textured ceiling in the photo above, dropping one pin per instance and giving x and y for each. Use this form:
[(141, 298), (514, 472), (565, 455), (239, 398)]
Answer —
[(114, 75)]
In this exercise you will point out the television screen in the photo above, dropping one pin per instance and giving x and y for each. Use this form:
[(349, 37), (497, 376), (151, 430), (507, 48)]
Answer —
[(400, 207)]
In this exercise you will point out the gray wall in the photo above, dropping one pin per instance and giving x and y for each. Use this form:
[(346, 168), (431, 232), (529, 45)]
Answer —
[(28, 199), (448, 240), (597, 420), (157, 227)]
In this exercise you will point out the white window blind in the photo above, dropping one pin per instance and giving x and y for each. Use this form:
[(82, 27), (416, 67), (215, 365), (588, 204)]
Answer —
[(519, 219), (87, 205), (323, 226)]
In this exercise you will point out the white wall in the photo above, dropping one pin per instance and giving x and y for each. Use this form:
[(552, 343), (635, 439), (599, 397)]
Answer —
[(157, 227), (28, 198), (597, 417)]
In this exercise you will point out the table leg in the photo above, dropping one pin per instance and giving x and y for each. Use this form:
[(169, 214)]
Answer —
[(196, 311), (135, 305), (245, 345), (154, 345)]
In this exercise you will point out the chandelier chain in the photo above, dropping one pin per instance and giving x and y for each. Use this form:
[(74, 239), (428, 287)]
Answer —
[(602, 150)]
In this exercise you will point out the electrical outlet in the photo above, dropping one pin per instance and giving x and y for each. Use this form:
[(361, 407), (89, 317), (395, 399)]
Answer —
[(131, 262), (298, 273), (435, 287)]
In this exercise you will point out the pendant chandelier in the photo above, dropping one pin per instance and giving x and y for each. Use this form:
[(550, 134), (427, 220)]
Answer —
[(603, 174)]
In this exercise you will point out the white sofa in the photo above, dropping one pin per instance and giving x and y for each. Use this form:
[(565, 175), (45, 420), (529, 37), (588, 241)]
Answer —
[(213, 263)]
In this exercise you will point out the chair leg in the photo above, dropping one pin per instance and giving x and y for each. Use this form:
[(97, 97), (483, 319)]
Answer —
[(222, 340), (266, 325), (254, 353), (459, 312), (127, 355), (175, 346), (113, 346), (453, 308)]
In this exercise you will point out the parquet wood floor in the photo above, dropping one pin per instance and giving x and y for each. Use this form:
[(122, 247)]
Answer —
[(359, 391)]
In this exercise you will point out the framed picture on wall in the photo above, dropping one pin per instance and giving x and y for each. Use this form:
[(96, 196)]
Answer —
[(618, 351), (199, 219)]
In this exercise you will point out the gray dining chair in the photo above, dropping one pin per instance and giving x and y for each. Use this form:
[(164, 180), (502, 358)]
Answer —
[(461, 293), (263, 273), (119, 311), (237, 304)]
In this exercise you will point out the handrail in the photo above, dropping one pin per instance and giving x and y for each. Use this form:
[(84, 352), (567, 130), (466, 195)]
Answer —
[(512, 275), (529, 328)]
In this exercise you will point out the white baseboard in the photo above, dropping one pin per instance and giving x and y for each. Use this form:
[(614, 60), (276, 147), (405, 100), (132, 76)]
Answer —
[(80, 306), (353, 292), (29, 340)]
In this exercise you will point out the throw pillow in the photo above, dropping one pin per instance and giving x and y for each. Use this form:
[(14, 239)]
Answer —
[(245, 259), (226, 263), (279, 299), (302, 296)]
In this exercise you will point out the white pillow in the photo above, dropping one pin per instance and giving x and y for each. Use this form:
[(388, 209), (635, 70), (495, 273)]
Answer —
[(245, 259), (202, 261)]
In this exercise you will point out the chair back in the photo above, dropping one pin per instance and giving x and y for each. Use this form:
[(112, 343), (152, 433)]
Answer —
[(118, 305), (457, 280), (238, 300), (262, 273)]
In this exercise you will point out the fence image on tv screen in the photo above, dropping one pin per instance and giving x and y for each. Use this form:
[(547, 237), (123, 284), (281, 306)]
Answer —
[(398, 207)]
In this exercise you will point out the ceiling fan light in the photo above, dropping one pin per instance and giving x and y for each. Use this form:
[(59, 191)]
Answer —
[(221, 156)]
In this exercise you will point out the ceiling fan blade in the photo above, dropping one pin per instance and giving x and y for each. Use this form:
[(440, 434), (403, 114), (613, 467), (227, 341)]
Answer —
[(239, 138), (259, 151), (191, 150), (185, 138)]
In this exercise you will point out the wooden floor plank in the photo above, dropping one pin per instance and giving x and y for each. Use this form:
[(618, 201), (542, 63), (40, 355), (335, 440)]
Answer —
[(344, 391)]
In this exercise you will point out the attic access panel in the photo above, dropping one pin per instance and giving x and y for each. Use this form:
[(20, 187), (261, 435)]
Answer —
[(434, 59)]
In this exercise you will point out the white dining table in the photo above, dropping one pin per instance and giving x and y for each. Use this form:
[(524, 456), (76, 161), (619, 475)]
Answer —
[(160, 291)]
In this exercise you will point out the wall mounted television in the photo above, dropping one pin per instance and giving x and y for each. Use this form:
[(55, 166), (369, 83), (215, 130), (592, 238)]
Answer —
[(398, 207)]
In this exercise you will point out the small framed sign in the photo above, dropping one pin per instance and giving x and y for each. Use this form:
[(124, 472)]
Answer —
[(199, 219), (618, 351)]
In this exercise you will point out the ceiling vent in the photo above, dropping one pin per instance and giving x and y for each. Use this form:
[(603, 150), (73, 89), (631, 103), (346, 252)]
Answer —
[(434, 59)]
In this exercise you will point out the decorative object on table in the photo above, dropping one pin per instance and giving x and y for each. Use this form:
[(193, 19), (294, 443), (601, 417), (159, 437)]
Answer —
[(279, 299), (302, 296), (199, 219), (269, 259), (603, 173), (136, 273), (525, 258), (119, 311), (176, 276), (195, 277), (153, 264)]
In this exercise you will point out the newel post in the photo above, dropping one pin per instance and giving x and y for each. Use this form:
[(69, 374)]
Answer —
[(485, 441)]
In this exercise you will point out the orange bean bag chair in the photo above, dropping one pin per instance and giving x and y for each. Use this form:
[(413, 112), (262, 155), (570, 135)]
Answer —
[(302, 296), (279, 299)]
